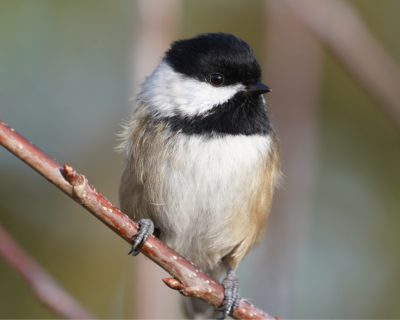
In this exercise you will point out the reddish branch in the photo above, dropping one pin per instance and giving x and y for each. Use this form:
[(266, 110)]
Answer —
[(187, 279), (42, 284)]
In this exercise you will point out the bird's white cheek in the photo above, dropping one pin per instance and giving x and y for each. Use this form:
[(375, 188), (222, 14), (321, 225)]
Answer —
[(192, 97), (179, 93), (169, 93)]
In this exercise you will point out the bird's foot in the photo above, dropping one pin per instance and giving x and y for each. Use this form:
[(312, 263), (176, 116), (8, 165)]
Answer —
[(146, 229), (231, 292)]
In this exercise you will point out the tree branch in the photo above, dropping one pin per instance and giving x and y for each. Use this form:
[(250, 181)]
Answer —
[(42, 284), (338, 25), (187, 279)]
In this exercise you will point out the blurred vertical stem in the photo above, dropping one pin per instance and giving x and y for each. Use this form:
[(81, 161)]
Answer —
[(156, 27), (293, 71)]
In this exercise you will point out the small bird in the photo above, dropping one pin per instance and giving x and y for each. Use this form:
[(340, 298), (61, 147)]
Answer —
[(202, 158)]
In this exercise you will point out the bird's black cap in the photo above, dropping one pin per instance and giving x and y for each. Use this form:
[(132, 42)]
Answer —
[(209, 53)]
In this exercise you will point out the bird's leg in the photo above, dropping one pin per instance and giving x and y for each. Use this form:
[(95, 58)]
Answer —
[(231, 294), (146, 228)]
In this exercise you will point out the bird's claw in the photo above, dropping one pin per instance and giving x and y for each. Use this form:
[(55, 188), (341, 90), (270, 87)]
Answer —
[(146, 229), (231, 294)]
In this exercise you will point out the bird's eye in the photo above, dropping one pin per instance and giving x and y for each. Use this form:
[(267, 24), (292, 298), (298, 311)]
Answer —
[(216, 79)]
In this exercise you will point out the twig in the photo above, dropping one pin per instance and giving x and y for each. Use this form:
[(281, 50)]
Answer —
[(339, 27), (187, 279), (155, 26), (43, 285), (295, 66)]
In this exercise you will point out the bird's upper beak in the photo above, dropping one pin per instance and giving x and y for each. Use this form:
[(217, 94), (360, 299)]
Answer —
[(258, 88)]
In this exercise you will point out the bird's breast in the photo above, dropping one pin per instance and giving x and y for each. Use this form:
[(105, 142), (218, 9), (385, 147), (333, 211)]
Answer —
[(201, 188)]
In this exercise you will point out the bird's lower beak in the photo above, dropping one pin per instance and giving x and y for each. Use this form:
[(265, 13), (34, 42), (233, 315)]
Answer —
[(258, 88)]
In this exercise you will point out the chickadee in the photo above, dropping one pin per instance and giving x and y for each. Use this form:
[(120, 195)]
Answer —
[(202, 159)]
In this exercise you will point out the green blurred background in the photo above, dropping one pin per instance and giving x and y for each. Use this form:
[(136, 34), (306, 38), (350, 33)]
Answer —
[(66, 77)]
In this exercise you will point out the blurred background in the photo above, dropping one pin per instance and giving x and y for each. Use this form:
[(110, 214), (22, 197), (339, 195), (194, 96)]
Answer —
[(67, 72)]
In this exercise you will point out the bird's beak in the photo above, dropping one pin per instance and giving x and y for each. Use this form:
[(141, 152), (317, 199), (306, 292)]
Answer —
[(258, 88)]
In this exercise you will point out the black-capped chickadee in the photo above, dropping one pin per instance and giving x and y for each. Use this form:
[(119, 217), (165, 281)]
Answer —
[(202, 159)]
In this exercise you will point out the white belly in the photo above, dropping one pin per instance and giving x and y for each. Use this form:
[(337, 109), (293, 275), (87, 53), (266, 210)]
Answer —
[(200, 188)]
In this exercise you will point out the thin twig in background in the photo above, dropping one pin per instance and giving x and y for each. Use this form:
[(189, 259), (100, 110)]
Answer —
[(42, 284), (339, 27), (294, 70), (187, 279), (156, 25)]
